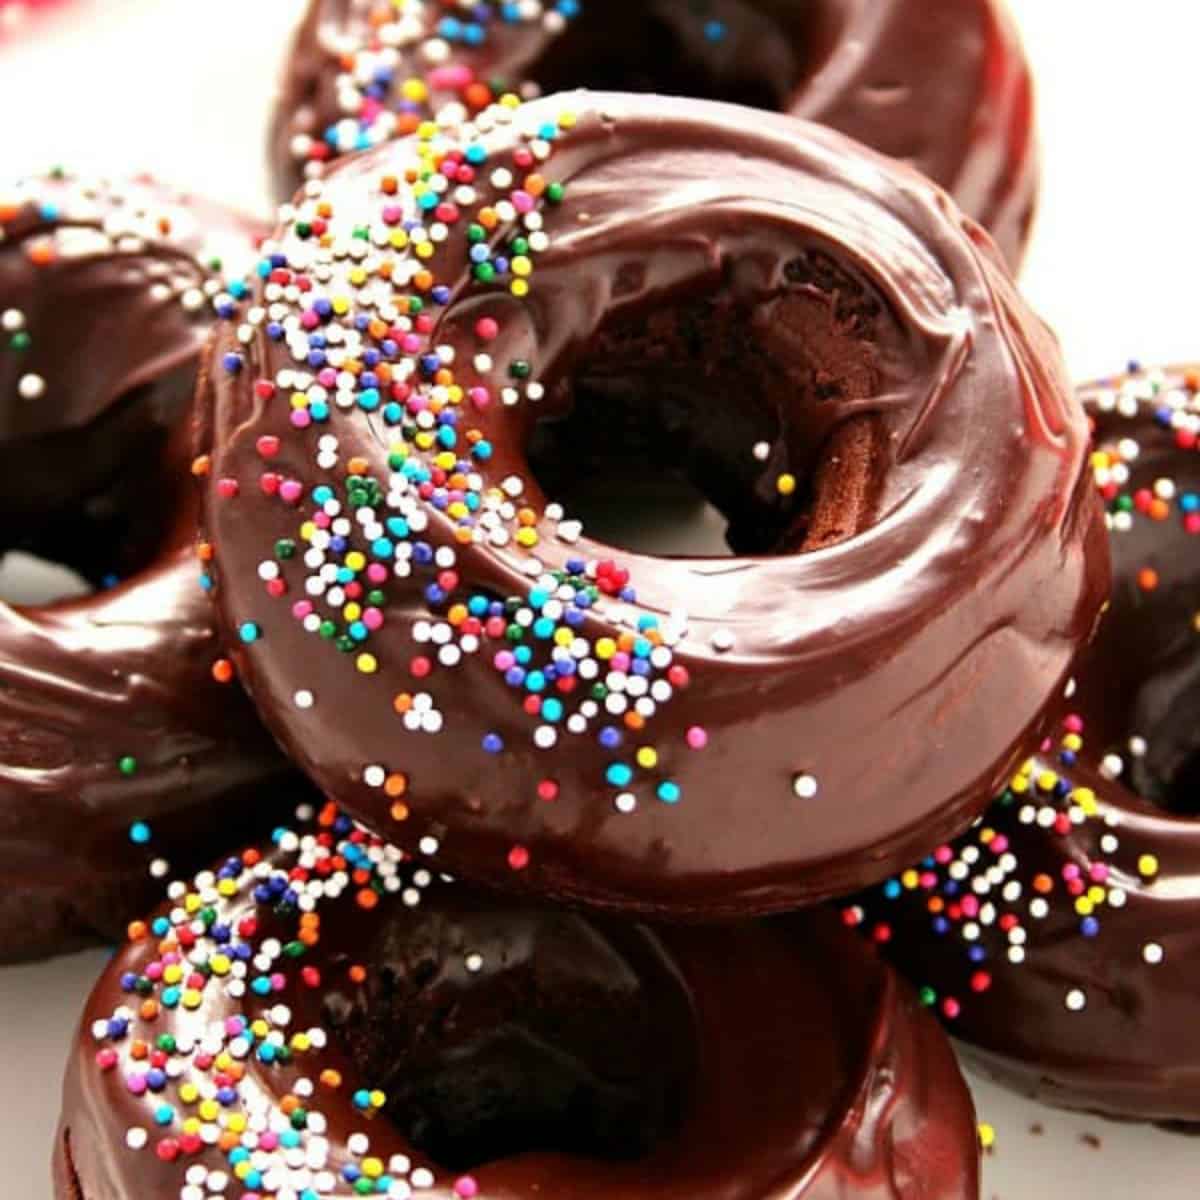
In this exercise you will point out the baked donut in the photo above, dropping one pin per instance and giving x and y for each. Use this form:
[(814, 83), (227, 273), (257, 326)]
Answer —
[(941, 84), (321, 1018), (122, 749), (435, 641), (1059, 936), (107, 292)]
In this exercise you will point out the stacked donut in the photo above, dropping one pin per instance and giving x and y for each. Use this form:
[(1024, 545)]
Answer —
[(521, 886)]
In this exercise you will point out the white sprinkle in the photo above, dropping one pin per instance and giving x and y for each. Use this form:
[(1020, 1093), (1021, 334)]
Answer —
[(1152, 952), (1075, 1000), (303, 699), (31, 387), (722, 640), (805, 786)]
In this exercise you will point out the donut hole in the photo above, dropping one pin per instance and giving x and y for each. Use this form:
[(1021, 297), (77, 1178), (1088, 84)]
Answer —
[(714, 425), (751, 52), (498, 1032)]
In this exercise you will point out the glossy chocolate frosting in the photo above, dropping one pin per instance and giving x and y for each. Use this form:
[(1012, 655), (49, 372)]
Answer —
[(107, 292), (687, 736), (334, 1006), (941, 84), (1059, 937), (121, 756)]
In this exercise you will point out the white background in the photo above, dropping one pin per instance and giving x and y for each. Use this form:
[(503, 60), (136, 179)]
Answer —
[(182, 88)]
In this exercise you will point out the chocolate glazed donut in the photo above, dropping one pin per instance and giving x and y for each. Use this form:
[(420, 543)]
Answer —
[(320, 1019), (941, 84), (1059, 937), (120, 752), (107, 292), (816, 338)]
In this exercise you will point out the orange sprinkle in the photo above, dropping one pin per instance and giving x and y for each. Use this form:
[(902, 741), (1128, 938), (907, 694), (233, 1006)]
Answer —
[(331, 1078), (399, 811), (357, 973), (535, 185), (1147, 579), (201, 465), (402, 702), (367, 899), (41, 254), (395, 784), (137, 931), (222, 670), (389, 185), (204, 551), (1043, 883), (358, 466), (149, 1010), (289, 1104)]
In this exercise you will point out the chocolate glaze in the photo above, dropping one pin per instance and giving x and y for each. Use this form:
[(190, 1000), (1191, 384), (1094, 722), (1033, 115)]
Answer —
[(112, 286), (1097, 1016), (943, 85), (110, 717), (794, 1064), (857, 702)]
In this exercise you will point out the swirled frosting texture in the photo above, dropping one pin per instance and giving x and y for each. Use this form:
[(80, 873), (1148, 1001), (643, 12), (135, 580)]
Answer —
[(943, 85), (816, 1075), (443, 650), (1058, 938)]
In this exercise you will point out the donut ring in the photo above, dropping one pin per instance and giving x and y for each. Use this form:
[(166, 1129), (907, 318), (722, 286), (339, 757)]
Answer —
[(539, 1052), (119, 748), (648, 733), (1064, 943), (108, 291), (942, 85)]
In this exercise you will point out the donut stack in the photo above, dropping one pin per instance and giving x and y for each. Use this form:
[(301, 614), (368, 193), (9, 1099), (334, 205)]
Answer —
[(504, 859)]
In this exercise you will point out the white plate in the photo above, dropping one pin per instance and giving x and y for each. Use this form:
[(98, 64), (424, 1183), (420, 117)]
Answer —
[(182, 89)]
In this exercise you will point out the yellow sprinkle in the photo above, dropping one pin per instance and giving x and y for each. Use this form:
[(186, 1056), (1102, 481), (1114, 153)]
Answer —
[(301, 1042), (1086, 799), (356, 560), (368, 664), (172, 974), (341, 305), (1019, 784), (192, 903), (785, 485), (352, 611), (299, 400), (647, 757), (519, 287), (189, 1093), (415, 90), (399, 239), (260, 1028), (566, 120), (1096, 894), (521, 265), (987, 1135), (192, 998), (527, 537), (1072, 741), (1046, 781), (220, 964), (236, 1122), (605, 648), (378, 1099), (1148, 866), (372, 1168), (210, 1110), (424, 250), (910, 879), (1084, 906), (227, 887)]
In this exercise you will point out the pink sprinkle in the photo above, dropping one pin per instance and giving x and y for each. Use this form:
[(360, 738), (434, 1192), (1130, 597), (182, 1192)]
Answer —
[(1074, 723), (106, 1060), (322, 520), (486, 328), (373, 619), (1098, 872), (697, 738), (452, 77), (377, 573), (466, 1187), (620, 661), (268, 1140), (302, 609), (136, 1084), (411, 343), (523, 202), (970, 906), (278, 982), (1070, 871), (300, 418), (309, 319), (999, 844), (290, 490), (503, 660), (327, 378), (942, 855)]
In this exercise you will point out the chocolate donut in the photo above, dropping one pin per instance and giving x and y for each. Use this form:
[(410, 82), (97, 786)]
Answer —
[(941, 84), (106, 295), (323, 1019), (123, 751), (436, 643), (1059, 936)]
